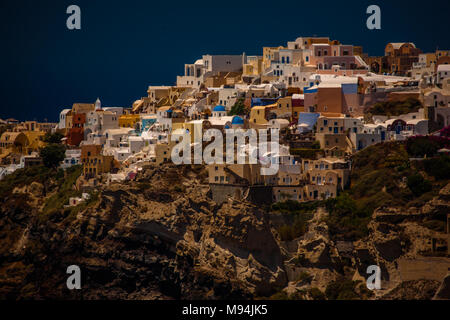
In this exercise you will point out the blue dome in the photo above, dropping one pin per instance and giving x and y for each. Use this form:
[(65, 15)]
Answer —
[(219, 108), (237, 120)]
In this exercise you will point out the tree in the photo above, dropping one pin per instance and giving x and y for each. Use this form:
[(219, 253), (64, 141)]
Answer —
[(53, 137), (238, 108), (53, 154)]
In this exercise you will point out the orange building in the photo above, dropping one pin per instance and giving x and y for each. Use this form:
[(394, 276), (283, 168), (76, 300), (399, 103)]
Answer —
[(329, 100), (398, 58), (401, 56)]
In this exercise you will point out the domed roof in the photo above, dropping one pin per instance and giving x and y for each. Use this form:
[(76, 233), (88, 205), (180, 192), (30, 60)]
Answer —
[(237, 120), (219, 108)]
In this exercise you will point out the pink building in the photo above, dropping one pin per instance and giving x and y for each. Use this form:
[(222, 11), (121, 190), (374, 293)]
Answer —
[(324, 56)]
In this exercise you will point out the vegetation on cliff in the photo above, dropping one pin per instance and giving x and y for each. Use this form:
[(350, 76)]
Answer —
[(395, 108), (297, 214), (384, 176)]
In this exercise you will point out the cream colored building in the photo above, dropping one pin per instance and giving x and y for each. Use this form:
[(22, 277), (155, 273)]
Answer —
[(248, 174)]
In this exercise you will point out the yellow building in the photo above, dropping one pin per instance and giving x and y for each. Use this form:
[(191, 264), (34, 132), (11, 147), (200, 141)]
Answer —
[(194, 127), (331, 171), (258, 116), (96, 165), (286, 178), (319, 40), (427, 59), (269, 54), (158, 96), (183, 127), (34, 126), (13, 142), (163, 152), (222, 78), (253, 67), (23, 143), (248, 174), (283, 108), (35, 141), (129, 120), (82, 107)]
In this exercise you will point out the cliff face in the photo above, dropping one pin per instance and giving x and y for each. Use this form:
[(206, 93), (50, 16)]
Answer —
[(158, 237), (161, 237), (399, 241)]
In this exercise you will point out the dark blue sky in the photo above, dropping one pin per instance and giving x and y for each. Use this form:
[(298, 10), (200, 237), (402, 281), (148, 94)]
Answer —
[(124, 46)]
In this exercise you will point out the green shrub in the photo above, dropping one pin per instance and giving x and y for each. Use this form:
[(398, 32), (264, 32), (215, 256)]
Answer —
[(342, 289), (65, 191), (295, 230), (299, 213), (346, 218), (418, 185), (22, 177), (421, 200), (421, 146), (396, 108)]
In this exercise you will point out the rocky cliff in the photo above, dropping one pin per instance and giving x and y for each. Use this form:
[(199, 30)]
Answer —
[(157, 237), (162, 237)]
